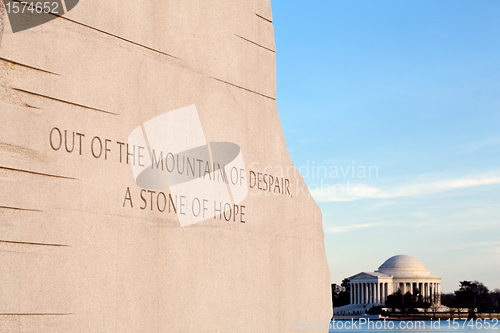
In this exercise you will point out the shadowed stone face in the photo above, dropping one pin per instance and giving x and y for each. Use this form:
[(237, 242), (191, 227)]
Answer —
[(28, 14), (70, 4)]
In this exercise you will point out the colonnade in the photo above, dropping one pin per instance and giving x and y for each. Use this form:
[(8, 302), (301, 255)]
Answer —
[(369, 292), (431, 291), (377, 292)]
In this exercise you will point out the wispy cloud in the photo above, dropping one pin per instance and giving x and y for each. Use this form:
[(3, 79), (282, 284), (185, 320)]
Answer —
[(341, 192), (465, 246), (474, 146), (345, 228)]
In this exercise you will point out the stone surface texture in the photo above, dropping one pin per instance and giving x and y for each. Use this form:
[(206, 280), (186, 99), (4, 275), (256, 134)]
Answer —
[(75, 256)]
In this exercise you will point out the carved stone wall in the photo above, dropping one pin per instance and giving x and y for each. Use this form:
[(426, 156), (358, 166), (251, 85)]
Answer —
[(83, 247)]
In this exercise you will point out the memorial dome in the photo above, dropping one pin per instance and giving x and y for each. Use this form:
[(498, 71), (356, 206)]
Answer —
[(403, 266), (400, 272)]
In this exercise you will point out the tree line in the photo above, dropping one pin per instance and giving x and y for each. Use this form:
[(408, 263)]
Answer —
[(471, 295), (341, 294)]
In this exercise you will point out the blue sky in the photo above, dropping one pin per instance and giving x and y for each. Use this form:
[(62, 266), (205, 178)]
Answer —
[(411, 89)]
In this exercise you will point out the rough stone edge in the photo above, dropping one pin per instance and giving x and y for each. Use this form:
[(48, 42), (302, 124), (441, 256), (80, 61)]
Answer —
[(2, 20)]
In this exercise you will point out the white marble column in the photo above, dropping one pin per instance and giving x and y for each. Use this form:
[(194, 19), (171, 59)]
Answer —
[(359, 293), (376, 292), (351, 294), (439, 293)]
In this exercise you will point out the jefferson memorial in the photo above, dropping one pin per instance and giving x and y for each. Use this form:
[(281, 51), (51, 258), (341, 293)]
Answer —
[(399, 272)]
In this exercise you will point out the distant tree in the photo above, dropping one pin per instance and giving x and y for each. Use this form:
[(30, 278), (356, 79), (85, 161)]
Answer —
[(345, 293), (484, 300), (448, 299), (341, 294), (466, 295), (425, 305), (422, 302), (346, 283), (335, 294), (474, 295), (495, 299), (434, 307), (395, 301), (408, 302)]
